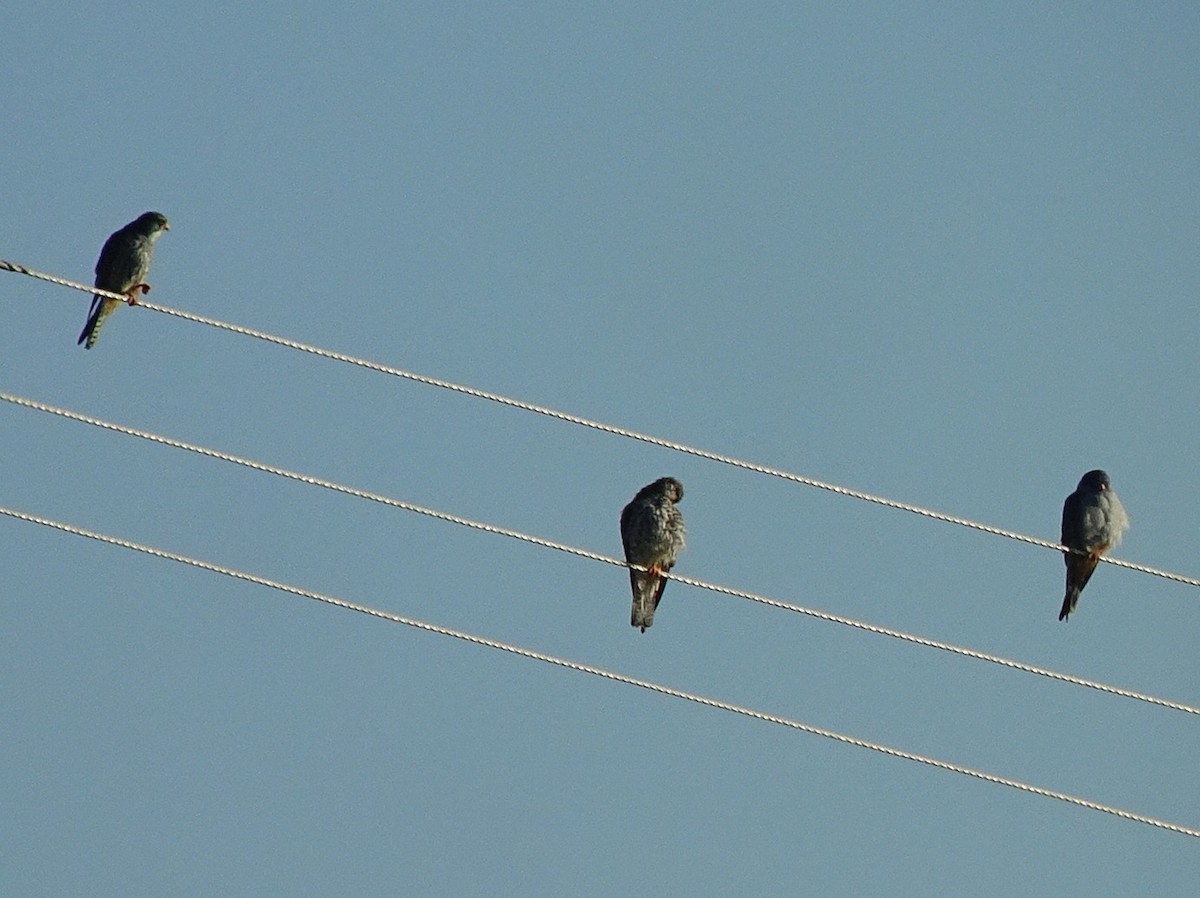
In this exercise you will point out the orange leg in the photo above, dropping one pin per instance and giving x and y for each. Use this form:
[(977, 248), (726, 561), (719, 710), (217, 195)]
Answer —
[(131, 296)]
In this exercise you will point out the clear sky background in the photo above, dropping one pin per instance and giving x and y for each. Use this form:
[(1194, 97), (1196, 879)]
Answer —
[(942, 252)]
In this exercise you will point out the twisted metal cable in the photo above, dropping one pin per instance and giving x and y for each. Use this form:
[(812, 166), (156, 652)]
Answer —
[(610, 675), (594, 556), (597, 425)]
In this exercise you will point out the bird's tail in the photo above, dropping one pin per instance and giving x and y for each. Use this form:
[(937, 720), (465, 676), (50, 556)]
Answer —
[(99, 312), (1069, 601), (647, 594), (644, 599), (1079, 571)]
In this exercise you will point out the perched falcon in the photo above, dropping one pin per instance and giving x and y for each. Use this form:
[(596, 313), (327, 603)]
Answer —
[(1092, 521), (652, 533), (122, 268)]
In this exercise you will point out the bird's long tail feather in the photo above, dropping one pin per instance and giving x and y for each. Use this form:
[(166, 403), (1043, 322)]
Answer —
[(644, 599), (91, 331), (1069, 602)]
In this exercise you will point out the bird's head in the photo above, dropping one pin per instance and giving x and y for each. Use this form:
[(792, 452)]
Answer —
[(152, 223), (670, 487)]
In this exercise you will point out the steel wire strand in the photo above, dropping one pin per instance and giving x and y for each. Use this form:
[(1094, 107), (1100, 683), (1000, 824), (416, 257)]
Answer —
[(597, 425), (827, 616)]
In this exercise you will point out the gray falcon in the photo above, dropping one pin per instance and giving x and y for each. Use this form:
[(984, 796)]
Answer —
[(1092, 521), (122, 268), (652, 534)]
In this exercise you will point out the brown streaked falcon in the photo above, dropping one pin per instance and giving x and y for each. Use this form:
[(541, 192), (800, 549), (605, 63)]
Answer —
[(652, 533)]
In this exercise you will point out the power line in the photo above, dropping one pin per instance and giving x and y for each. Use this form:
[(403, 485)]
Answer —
[(595, 425), (585, 553), (608, 675)]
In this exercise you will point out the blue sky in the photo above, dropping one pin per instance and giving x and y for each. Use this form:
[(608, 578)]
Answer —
[(941, 252)]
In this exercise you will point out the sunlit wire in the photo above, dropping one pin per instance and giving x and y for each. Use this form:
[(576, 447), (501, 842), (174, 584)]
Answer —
[(594, 425), (585, 553), (610, 675)]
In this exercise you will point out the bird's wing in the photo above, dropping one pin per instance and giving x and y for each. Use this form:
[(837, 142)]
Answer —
[(1074, 521), (116, 269)]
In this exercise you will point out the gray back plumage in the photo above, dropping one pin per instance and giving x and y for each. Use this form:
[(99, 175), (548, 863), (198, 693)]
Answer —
[(1093, 516), (651, 526)]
